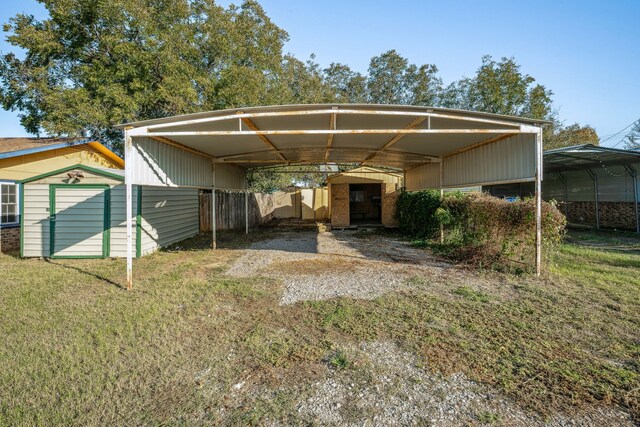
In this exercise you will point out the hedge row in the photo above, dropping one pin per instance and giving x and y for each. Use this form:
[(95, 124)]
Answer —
[(478, 228)]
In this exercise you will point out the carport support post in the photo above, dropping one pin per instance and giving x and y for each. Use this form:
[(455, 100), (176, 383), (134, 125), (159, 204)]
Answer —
[(634, 180), (441, 193), (594, 177), (213, 207), (539, 201), (128, 177), (246, 207)]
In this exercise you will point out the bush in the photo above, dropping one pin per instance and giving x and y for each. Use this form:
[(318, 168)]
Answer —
[(416, 213), (496, 233), (480, 229)]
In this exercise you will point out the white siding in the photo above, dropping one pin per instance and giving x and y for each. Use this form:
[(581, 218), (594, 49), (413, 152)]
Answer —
[(36, 220), (168, 216), (156, 163), (423, 177), (509, 160)]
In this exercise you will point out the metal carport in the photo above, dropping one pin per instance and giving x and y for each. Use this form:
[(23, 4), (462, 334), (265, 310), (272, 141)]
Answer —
[(435, 148)]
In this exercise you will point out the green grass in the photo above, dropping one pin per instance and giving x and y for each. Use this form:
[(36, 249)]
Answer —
[(190, 346)]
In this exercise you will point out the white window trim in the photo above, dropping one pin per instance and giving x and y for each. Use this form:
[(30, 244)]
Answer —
[(18, 189)]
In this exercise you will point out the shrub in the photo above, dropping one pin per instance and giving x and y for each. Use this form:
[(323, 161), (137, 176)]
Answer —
[(416, 213), (480, 229)]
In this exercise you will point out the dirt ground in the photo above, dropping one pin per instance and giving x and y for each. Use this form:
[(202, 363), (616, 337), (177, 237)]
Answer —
[(318, 266), (397, 390)]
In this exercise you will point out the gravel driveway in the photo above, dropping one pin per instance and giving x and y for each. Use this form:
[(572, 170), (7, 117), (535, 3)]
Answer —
[(317, 266)]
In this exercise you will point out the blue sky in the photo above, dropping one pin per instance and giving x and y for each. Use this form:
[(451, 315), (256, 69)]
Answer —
[(585, 51)]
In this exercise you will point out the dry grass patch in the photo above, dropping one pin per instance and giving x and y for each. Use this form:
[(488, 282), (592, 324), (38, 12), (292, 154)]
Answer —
[(317, 266)]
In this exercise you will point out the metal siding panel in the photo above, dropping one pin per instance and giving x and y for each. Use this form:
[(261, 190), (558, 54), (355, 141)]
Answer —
[(423, 177), (155, 163), (168, 216), (579, 187), (614, 184), (511, 159), (230, 177), (552, 187)]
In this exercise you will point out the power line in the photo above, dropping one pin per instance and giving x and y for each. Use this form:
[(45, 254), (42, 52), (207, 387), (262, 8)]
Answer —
[(619, 132)]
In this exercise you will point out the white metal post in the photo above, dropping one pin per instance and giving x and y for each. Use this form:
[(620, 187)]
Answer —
[(441, 192), (539, 202), (213, 207), (246, 207), (128, 178)]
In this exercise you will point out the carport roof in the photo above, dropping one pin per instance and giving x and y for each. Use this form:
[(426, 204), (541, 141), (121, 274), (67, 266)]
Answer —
[(396, 136), (587, 156)]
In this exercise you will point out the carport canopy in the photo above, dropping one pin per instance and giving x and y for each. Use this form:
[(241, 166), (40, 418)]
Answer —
[(436, 148), (394, 136)]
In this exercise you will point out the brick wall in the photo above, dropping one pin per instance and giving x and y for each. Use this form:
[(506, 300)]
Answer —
[(10, 239), (340, 205), (612, 214), (390, 196)]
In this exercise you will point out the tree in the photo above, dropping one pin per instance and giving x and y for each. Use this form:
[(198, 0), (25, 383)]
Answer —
[(93, 64), (632, 140), (347, 86), (392, 80), (575, 134), (500, 87)]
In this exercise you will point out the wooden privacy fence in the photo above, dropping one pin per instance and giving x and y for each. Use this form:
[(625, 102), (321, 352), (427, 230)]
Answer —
[(230, 209)]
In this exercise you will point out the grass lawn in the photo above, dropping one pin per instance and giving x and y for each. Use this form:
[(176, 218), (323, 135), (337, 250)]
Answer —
[(78, 349)]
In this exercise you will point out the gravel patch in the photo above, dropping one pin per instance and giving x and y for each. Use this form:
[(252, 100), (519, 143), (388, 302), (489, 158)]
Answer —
[(316, 266), (397, 391)]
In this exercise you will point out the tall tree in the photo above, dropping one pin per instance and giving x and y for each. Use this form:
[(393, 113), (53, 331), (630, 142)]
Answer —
[(392, 80), (500, 87), (92, 64), (566, 136), (632, 140), (348, 86)]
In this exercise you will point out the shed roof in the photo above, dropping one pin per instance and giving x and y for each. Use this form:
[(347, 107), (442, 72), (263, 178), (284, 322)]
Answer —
[(17, 146), (587, 156), (21, 146), (397, 136)]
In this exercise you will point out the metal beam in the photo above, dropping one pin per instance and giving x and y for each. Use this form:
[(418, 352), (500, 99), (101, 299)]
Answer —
[(478, 144), (415, 123), (181, 146), (317, 149), (336, 132), (262, 136), (332, 126), (331, 111)]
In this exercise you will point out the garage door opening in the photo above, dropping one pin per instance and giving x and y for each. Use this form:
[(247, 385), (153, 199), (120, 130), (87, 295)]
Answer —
[(365, 204)]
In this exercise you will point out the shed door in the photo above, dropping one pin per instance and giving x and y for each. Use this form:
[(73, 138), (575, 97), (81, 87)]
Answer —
[(80, 222)]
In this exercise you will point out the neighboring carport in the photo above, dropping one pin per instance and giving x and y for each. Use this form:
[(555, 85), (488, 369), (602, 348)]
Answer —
[(434, 148), (595, 186)]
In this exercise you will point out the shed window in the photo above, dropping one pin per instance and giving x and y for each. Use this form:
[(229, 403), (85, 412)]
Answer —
[(9, 203)]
